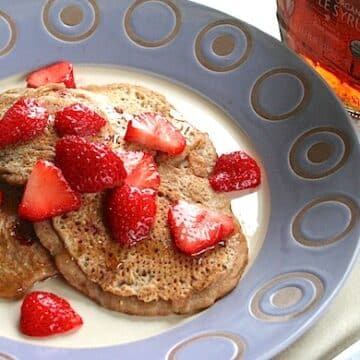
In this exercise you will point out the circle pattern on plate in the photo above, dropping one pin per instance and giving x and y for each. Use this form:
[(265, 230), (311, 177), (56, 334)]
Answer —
[(325, 221), (72, 15), (269, 304), (293, 91), (7, 33), (223, 45), (233, 340), (148, 33), (286, 297), (71, 21), (319, 152)]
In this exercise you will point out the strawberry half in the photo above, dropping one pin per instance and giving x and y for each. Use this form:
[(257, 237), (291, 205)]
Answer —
[(60, 72), (47, 194), (155, 132), (78, 119), (130, 214), (235, 171), (195, 229), (46, 314), (23, 121), (142, 171), (88, 167), (130, 159)]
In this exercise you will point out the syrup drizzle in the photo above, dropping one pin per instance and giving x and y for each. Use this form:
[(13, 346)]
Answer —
[(24, 232)]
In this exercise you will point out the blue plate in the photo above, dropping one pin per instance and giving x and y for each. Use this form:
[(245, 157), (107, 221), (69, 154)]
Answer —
[(305, 141)]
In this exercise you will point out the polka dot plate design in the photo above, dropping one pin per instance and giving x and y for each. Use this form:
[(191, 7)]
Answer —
[(309, 151)]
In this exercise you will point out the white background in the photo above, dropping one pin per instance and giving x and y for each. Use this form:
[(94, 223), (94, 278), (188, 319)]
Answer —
[(260, 13)]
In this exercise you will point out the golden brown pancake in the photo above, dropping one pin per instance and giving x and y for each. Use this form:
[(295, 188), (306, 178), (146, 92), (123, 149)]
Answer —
[(153, 277), (23, 260)]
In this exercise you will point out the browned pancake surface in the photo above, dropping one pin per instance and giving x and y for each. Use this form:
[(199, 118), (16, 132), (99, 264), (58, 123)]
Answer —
[(22, 262), (16, 162), (153, 277)]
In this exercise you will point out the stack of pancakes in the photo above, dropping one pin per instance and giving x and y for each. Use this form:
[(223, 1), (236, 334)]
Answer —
[(151, 278)]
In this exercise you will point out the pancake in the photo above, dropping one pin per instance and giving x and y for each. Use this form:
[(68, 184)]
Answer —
[(16, 162), (23, 260), (153, 277), (115, 102)]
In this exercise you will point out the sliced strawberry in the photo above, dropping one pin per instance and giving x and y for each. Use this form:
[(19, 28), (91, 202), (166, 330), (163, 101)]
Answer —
[(235, 171), (78, 119), (23, 121), (46, 314), (130, 159), (47, 194), (142, 171), (227, 224), (88, 167), (60, 72), (155, 132), (195, 229), (130, 214), (145, 174)]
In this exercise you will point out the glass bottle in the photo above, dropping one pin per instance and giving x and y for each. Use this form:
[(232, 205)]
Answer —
[(326, 33)]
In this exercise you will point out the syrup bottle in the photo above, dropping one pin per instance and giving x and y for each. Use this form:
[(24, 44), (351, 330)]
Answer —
[(326, 33)]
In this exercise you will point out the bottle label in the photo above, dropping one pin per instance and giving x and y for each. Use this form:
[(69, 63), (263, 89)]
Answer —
[(348, 12), (327, 34), (326, 29)]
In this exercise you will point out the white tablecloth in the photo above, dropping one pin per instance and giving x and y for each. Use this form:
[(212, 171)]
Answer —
[(339, 327)]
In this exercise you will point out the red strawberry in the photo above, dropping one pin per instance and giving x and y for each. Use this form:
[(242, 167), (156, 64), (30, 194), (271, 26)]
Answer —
[(130, 159), (46, 314), (141, 169), (1, 197), (130, 214), (235, 171), (78, 119), (155, 132), (88, 167), (60, 72), (23, 121), (47, 194), (195, 229)]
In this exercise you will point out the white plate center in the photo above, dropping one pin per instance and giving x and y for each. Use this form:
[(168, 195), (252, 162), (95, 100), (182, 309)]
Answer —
[(103, 327)]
